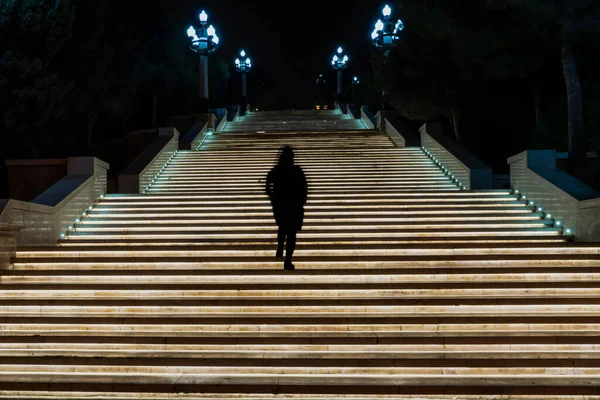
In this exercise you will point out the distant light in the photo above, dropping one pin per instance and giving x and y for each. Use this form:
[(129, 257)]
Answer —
[(549, 216), (379, 25), (345, 59), (237, 61), (203, 16), (340, 50), (242, 53), (387, 11), (247, 61), (569, 231), (211, 31), (191, 32), (558, 223), (335, 58)]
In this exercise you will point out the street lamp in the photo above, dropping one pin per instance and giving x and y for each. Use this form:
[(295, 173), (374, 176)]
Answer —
[(204, 41), (355, 80), (243, 66), (339, 63), (385, 37)]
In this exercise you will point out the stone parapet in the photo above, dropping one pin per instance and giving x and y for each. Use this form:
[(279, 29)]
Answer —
[(472, 173), (48, 217), (139, 174), (572, 204)]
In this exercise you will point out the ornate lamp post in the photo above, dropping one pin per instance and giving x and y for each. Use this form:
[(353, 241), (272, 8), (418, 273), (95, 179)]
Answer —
[(203, 41), (385, 37), (339, 63), (243, 66)]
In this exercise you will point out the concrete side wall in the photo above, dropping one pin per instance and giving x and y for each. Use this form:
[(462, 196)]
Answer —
[(571, 202), (470, 171)]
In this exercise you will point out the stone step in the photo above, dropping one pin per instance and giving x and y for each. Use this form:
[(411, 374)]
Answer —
[(283, 355), (467, 332), (108, 219), (280, 297), (292, 312), (305, 278), (101, 212), (317, 235), (98, 395), (316, 379), (304, 263), (416, 250), (312, 225)]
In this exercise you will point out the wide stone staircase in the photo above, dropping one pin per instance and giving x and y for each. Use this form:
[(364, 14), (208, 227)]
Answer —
[(406, 287), (294, 121)]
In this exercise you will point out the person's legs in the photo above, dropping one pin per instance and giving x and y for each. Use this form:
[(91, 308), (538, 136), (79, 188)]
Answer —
[(289, 250), (280, 242)]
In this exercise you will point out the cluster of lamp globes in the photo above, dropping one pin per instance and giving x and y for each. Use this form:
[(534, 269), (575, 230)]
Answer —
[(384, 36), (205, 41)]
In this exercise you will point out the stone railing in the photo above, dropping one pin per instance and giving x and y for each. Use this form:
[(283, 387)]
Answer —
[(572, 204), (367, 118), (196, 135), (145, 167), (8, 240), (398, 132), (221, 120), (234, 115), (341, 108), (471, 173), (43, 221)]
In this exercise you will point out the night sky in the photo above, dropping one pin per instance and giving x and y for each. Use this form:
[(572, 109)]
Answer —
[(294, 43)]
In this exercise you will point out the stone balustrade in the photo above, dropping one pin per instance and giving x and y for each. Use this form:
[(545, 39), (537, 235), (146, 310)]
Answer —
[(398, 132), (573, 205), (44, 220), (470, 171), (139, 174), (367, 119)]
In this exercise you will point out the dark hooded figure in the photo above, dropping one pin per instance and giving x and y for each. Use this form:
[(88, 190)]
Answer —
[(287, 189)]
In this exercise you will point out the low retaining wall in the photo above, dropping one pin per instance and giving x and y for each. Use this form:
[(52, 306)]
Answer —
[(398, 132), (470, 171), (573, 205), (139, 174), (48, 217)]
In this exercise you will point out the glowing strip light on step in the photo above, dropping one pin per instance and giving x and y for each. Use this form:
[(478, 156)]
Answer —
[(445, 170), (545, 215), (162, 169)]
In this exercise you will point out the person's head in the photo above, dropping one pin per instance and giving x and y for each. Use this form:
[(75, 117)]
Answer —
[(287, 156)]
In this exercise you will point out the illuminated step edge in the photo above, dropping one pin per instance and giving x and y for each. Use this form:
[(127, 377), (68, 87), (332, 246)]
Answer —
[(271, 234), (244, 264), (309, 227), (334, 353), (534, 295), (312, 377), (408, 251), (108, 213), (57, 395), (317, 311), (313, 206), (413, 196), (304, 279), (159, 220), (78, 240), (308, 219), (340, 330)]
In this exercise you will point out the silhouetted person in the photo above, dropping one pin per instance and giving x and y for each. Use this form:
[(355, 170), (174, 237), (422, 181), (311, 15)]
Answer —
[(287, 189)]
